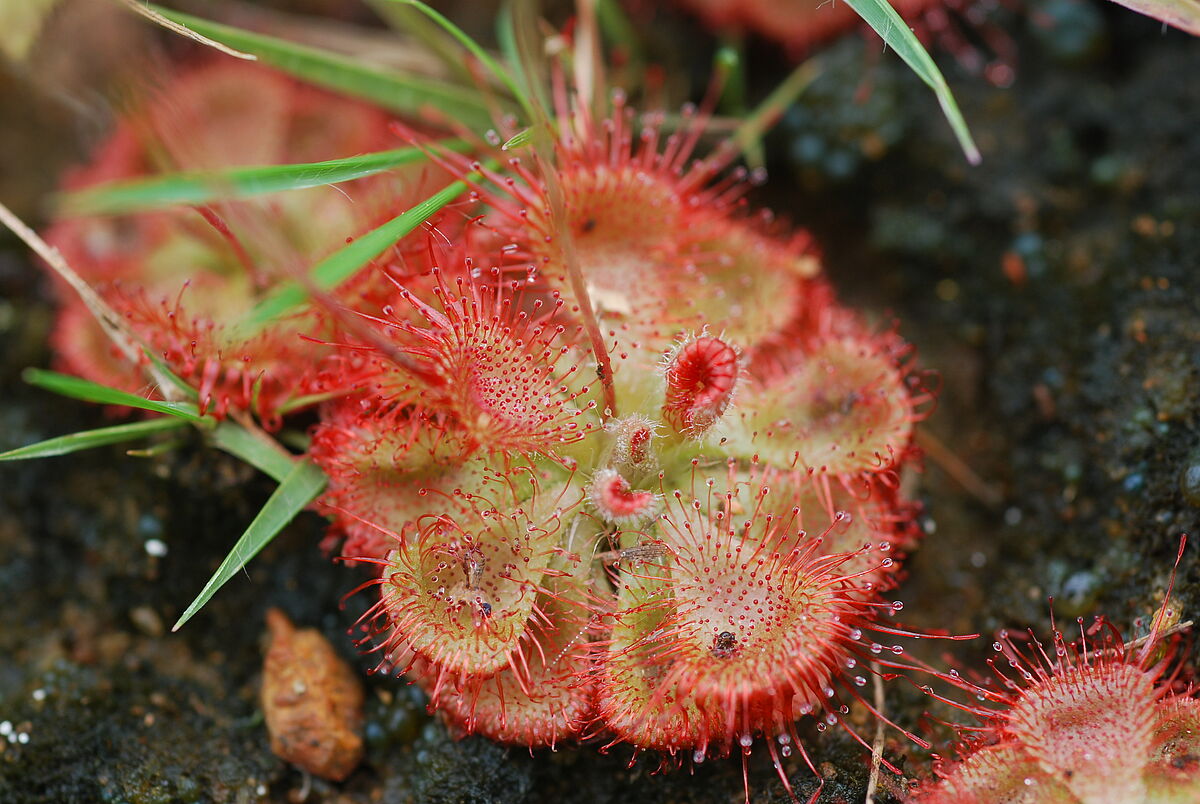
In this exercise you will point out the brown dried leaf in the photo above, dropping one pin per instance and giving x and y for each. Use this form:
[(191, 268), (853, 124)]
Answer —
[(312, 700)]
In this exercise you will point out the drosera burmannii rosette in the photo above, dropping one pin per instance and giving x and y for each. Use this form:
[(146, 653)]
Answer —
[(621, 466)]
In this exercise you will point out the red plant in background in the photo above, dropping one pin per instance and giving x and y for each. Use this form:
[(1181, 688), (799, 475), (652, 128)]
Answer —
[(186, 280), (801, 25)]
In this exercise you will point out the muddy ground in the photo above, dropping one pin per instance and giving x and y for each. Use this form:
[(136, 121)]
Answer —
[(1054, 288)]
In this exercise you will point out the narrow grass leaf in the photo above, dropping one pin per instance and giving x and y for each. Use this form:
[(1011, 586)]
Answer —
[(388, 88), (203, 188), (896, 33), (749, 133), (343, 263), (299, 488), (621, 32), (473, 47), (425, 31), (507, 39), (78, 388), (88, 439), (269, 459)]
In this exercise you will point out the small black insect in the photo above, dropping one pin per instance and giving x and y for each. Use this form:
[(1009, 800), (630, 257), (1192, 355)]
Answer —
[(724, 645)]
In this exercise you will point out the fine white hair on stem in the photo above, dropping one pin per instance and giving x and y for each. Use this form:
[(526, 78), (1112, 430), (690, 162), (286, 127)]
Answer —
[(183, 30)]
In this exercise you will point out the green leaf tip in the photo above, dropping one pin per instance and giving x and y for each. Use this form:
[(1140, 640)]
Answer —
[(387, 88), (300, 487), (900, 38), (88, 391), (89, 439)]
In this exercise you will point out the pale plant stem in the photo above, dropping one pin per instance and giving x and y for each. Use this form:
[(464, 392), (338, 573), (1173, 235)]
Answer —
[(183, 30), (589, 70), (877, 743), (579, 288), (1174, 629), (959, 470), (544, 129), (110, 321)]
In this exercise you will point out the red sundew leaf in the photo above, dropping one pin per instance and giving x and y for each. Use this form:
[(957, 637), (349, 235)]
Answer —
[(504, 367), (738, 627), (1174, 770), (843, 409), (996, 773), (545, 695), (463, 592), (1097, 721)]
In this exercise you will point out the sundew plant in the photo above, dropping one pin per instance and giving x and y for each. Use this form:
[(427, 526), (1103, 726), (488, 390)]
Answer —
[(593, 433)]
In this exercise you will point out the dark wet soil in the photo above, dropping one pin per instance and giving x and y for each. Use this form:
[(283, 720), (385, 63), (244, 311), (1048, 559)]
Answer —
[(1054, 288)]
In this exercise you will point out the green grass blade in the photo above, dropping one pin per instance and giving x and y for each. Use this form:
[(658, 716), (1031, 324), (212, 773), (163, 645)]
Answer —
[(417, 25), (88, 439), (202, 188), (388, 88), (506, 37), (299, 488), (896, 33), (475, 50), (750, 131), (269, 459), (343, 263), (78, 388), (623, 35)]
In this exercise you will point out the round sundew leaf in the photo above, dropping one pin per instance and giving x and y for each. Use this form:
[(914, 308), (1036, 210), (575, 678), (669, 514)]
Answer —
[(634, 695), (1090, 726), (627, 226), (545, 696), (223, 114), (759, 620), (1002, 774), (845, 409), (185, 281), (461, 593), (844, 521), (1173, 773), (744, 285), (387, 468), (509, 376)]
